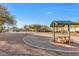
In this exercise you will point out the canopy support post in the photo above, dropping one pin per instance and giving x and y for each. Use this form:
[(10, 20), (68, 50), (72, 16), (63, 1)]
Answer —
[(69, 33), (54, 32)]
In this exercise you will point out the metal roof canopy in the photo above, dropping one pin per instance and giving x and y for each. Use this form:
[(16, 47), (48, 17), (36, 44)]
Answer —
[(61, 24)]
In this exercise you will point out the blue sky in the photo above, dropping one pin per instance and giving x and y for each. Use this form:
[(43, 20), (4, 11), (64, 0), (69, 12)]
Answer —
[(42, 13)]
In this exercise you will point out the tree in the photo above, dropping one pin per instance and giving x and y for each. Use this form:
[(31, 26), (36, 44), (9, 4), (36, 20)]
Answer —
[(36, 27), (5, 17), (44, 28), (77, 21), (26, 28)]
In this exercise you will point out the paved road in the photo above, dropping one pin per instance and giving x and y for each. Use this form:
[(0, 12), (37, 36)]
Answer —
[(41, 40), (13, 44)]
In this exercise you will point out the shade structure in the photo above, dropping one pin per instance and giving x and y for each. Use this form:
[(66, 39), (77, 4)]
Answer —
[(62, 24)]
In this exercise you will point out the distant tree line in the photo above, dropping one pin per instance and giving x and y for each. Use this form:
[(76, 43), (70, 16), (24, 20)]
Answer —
[(35, 28)]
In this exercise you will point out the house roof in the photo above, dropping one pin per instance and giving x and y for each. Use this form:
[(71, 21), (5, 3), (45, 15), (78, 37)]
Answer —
[(62, 23)]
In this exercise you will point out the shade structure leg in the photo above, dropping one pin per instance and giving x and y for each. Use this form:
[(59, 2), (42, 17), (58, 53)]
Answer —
[(54, 32), (69, 33)]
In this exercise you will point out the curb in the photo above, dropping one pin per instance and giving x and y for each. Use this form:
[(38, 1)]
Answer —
[(57, 50)]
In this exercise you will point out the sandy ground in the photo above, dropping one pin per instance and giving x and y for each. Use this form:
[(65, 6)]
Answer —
[(11, 44)]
